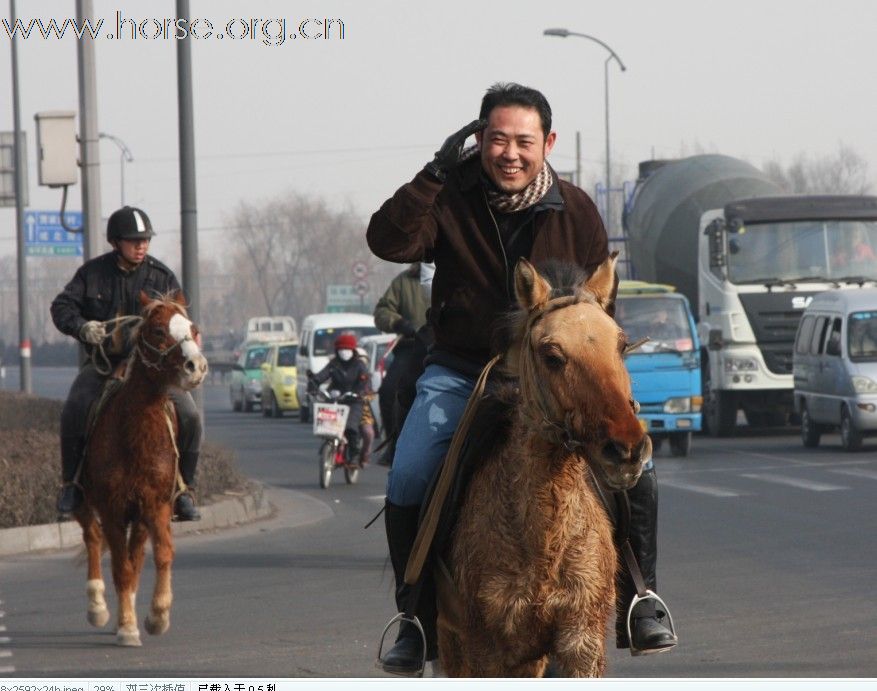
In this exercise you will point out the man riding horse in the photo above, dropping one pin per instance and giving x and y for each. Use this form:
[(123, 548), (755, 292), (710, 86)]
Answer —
[(476, 212), (103, 291)]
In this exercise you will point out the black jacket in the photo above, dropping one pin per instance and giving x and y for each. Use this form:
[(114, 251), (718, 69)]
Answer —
[(345, 376), (100, 290)]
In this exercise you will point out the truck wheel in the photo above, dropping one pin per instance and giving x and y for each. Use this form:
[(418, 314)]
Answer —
[(235, 402), (721, 413), (680, 444), (657, 443), (276, 410), (810, 431), (304, 414), (850, 437)]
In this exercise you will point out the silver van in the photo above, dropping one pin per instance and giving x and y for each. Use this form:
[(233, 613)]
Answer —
[(834, 366)]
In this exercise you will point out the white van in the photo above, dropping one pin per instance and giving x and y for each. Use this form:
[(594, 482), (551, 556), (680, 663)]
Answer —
[(317, 345), (834, 366), (265, 329)]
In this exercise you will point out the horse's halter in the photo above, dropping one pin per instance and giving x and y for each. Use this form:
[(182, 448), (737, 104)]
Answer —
[(160, 353), (557, 433)]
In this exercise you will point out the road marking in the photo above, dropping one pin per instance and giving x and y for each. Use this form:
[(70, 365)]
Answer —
[(857, 472), (7, 670), (5, 639), (5, 653), (376, 498), (700, 489), (794, 482)]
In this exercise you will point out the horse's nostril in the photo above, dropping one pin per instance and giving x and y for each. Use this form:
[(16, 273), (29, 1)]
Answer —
[(190, 366), (617, 450)]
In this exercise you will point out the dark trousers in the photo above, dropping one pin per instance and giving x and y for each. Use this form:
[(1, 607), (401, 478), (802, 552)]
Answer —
[(84, 392)]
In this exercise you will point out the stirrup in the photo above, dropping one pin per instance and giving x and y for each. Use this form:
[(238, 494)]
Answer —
[(637, 598), (402, 617)]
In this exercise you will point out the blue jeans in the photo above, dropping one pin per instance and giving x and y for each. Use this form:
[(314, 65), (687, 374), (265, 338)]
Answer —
[(442, 394)]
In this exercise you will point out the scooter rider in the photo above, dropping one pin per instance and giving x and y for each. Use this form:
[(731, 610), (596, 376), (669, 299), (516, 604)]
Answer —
[(103, 289), (346, 372)]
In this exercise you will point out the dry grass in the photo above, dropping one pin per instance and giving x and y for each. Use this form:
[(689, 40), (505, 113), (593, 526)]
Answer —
[(30, 462)]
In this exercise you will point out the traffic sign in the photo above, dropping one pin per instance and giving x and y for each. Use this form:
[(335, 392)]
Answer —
[(44, 236), (360, 288), (360, 269)]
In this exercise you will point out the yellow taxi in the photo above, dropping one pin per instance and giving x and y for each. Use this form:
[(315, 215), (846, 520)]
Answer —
[(278, 379)]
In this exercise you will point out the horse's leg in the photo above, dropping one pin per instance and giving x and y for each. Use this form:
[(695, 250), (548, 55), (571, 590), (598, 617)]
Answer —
[(136, 554), (127, 633), (159, 618), (580, 647), (92, 536)]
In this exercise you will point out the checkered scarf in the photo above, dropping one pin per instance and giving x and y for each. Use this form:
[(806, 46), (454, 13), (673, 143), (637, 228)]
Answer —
[(527, 197)]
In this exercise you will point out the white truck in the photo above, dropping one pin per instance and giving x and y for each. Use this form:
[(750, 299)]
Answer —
[(749, 260)]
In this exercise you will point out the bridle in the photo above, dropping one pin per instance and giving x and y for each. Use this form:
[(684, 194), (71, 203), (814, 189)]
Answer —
[(160, 353), (555, 432)]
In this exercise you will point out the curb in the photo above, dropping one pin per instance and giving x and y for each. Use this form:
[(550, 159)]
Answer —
[(227, 513)]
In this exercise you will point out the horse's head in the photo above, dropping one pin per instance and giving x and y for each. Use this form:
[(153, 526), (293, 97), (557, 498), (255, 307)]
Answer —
[(569, 356), (168, 340)]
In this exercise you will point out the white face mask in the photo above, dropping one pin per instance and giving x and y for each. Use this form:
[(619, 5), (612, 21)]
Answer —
[(345, 354)]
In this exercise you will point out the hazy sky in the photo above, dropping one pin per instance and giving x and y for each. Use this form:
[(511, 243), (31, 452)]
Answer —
[(352, 119)]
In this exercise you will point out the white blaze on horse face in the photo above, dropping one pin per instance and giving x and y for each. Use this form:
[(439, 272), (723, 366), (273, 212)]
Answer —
[(181, 330)]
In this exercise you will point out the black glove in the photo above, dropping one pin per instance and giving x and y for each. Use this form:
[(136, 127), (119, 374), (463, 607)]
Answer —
[(448, 157), (404, 327)]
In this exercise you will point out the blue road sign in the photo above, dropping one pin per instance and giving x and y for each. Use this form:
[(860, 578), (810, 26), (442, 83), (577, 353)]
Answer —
[(44, 236)]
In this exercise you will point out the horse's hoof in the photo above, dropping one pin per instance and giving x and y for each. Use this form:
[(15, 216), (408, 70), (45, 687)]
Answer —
[(98, 617), (158, 625), (128, 638)]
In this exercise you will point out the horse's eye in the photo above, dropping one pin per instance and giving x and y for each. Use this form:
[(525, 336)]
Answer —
[(553, 357), (159, 332)]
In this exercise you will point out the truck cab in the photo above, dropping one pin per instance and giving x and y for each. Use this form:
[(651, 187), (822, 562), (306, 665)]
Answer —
[(665, 369)]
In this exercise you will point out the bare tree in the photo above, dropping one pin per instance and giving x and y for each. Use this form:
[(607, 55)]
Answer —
[(844, 172)]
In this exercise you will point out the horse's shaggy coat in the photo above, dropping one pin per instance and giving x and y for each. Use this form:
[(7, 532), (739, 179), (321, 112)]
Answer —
[(532, 557)]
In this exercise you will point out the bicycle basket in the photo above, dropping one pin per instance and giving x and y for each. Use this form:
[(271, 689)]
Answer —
[(330, 419)]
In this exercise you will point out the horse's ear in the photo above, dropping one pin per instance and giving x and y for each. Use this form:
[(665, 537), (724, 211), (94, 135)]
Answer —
[(530, 288), (178, 297), (603, 283), (144, 298)]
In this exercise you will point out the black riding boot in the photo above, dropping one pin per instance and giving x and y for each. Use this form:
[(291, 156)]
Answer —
[(184, 506), (406, 656), (70, 496), (648, 623)]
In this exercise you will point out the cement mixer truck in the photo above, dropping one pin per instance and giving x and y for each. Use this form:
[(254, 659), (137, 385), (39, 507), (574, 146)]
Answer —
[(749, 260)]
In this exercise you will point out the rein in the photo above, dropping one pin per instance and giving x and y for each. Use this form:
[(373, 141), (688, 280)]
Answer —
[(99, 354), (161, 353)]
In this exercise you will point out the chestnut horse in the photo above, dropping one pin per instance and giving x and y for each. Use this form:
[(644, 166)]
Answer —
[(532, 559), (129, 476)]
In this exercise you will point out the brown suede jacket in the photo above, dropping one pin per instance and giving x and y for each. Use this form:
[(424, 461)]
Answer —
[(453, 224)]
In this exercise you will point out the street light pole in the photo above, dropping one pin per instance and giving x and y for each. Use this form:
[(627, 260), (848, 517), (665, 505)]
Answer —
[(563, 33), (125, 156)]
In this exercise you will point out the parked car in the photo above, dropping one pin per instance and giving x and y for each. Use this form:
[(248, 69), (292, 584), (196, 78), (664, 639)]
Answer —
[(278, 379), (834, 367), (318, 334), (245, 388)]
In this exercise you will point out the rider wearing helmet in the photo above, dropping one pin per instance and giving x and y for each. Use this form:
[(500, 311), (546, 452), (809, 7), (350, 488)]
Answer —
[(102, 289), (347, 372)]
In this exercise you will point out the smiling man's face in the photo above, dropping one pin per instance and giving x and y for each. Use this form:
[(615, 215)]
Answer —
[(513, 147)]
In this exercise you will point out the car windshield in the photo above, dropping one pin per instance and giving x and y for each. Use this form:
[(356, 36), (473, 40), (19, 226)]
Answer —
[(324, 339), (781, 253), (662, 320), (862, 336), (286, 356), (255, 358)]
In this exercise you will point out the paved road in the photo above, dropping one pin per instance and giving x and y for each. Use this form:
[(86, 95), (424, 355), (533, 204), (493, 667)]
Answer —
[(766, 558)]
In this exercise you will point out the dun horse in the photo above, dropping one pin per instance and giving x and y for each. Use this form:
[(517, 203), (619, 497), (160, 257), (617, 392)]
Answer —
[(130, 470), (532, 558)]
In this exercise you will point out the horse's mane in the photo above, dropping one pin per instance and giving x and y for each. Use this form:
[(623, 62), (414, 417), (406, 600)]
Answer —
[(563, 278)]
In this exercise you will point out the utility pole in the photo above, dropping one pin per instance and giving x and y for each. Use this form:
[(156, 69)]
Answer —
[(579, 159), (20, 182), (188, 204), (89, 152)]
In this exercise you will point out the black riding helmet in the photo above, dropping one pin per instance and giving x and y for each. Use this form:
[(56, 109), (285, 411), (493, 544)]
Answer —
[(129, 223)]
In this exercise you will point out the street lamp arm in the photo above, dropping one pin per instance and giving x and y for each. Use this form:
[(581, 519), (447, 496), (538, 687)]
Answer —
[(563, 33), (126, 152)]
